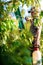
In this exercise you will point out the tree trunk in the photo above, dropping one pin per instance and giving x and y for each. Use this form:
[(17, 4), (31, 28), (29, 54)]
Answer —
[(36, 53)]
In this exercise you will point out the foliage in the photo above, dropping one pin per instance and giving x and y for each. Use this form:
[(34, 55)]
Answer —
[(15, 43)]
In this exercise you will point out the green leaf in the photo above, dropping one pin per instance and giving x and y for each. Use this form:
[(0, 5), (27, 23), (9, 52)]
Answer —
[(41, 14)]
